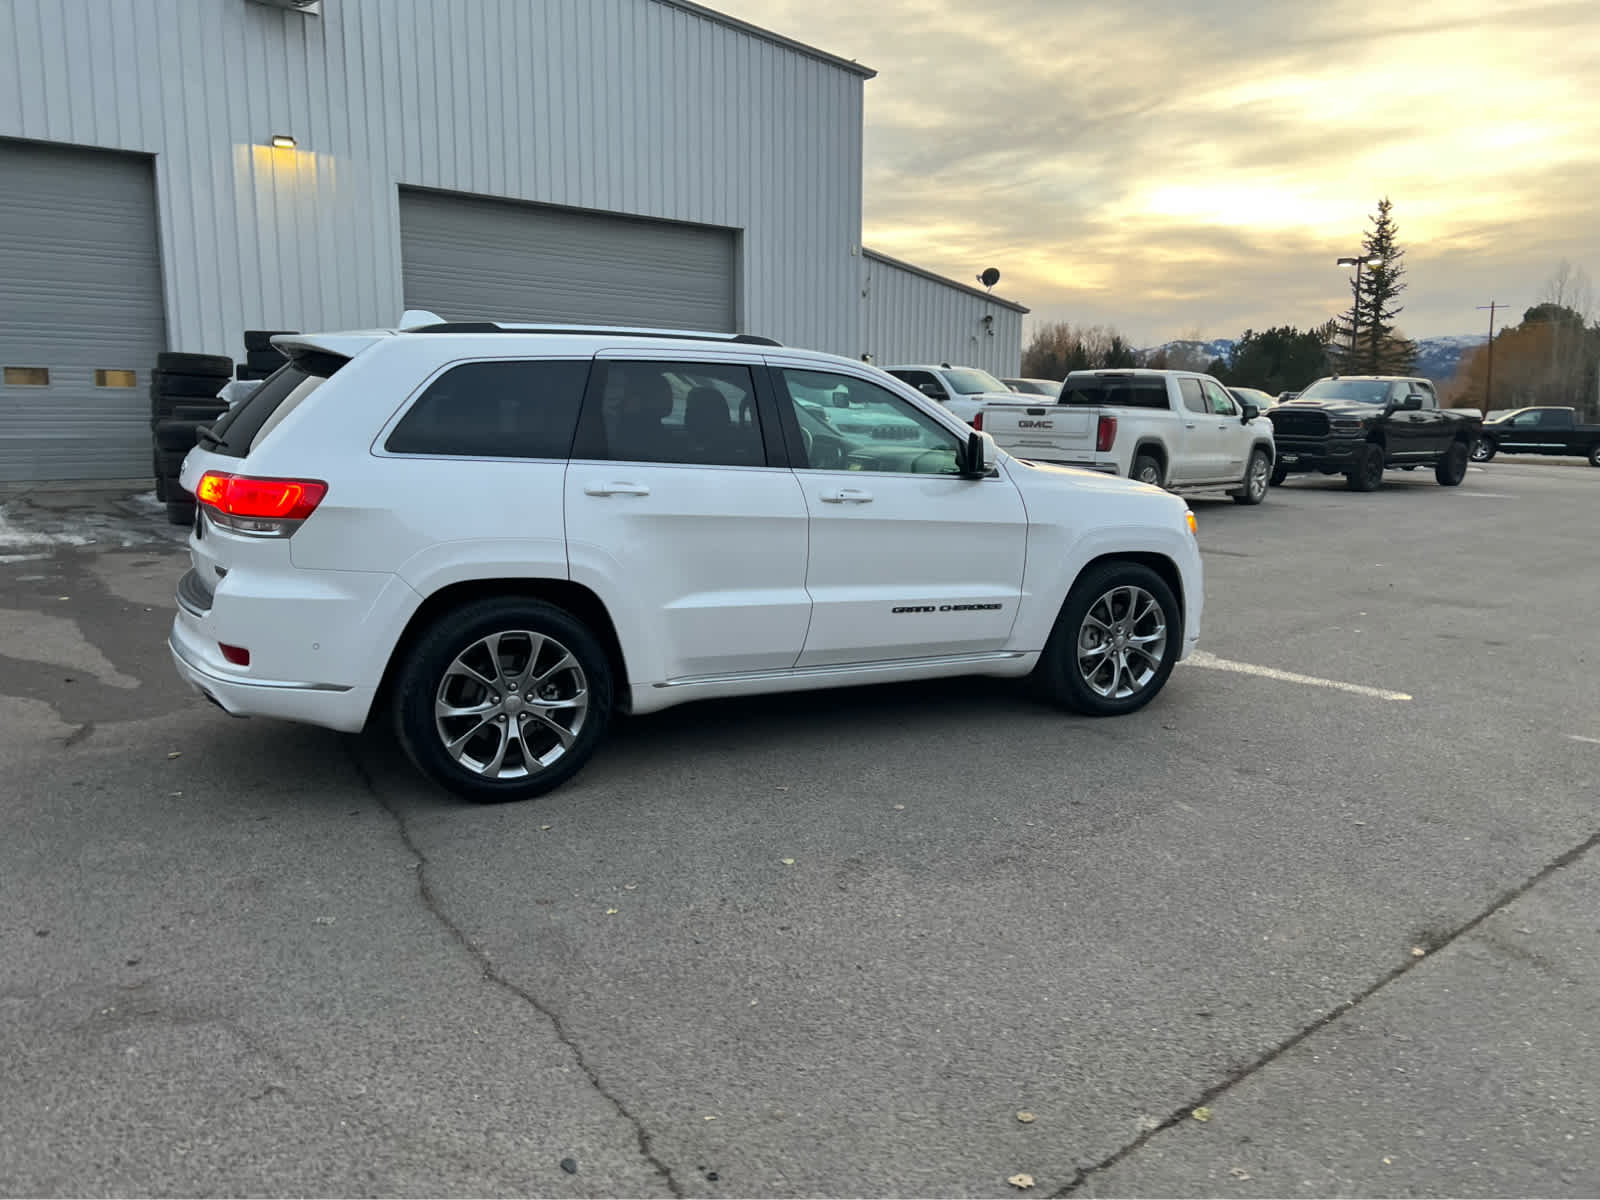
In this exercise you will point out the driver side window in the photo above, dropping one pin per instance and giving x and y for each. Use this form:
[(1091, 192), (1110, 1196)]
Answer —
[(849, 424), (1221, 403)]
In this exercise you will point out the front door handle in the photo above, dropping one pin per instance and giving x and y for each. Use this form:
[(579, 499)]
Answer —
[(616, 488), (847, 496), (1188, 424)]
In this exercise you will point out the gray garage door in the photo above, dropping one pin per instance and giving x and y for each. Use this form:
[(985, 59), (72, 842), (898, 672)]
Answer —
[(80, 312), (471, 259)]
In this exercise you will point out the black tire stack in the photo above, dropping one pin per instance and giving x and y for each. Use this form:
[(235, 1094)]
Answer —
[(183, 398), (260, 359)]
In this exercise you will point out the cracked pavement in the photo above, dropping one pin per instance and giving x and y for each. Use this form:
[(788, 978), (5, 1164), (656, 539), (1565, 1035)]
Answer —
[(246, 957)]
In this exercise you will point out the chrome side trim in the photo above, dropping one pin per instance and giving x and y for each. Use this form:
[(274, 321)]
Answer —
[(848, 669)]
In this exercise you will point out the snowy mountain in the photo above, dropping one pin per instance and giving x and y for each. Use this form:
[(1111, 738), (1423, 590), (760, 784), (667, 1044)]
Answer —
[(1437, 357)]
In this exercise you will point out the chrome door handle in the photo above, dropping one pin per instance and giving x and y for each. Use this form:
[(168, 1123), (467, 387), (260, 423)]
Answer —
[(1187, 425), (847, 496), (616, 488)]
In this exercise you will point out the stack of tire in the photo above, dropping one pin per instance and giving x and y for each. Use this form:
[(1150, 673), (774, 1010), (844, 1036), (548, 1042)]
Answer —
[(261, 359), (183, 399)]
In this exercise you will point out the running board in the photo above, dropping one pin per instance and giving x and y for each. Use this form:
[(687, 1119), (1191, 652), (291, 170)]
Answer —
[(848, 669)]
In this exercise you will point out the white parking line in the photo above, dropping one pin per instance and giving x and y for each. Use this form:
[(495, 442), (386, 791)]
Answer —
[(1201, 658), (1491, 495), (1578, 737)]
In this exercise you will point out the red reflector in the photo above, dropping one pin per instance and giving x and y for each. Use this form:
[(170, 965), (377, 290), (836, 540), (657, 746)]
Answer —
[(1105, 434), (977, 420), (272, 499), (237, 655)]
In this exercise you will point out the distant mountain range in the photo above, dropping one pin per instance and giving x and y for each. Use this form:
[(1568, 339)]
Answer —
[(1437, 357)]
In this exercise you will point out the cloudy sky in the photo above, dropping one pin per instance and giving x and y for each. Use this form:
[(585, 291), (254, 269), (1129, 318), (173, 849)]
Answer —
[(1166, 166)]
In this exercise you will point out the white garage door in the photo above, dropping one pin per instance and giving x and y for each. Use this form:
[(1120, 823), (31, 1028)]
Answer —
[(470, 259), (80, 312)]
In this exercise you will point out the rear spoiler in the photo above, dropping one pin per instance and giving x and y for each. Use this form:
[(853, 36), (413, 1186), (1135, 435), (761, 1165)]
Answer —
[(340, 345)]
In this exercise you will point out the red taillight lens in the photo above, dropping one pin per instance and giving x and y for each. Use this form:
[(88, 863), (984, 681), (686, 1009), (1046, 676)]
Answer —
[(1105, 434), (977, 420), (261, 499), (237, 655)]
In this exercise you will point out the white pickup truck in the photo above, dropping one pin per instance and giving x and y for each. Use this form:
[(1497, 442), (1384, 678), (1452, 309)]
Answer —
[(1176, 429)]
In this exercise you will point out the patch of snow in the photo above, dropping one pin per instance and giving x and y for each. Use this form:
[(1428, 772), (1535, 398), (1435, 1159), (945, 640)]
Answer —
[(12, 537)]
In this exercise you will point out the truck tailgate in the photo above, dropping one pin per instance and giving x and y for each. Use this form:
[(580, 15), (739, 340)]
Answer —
[(1053, 433)]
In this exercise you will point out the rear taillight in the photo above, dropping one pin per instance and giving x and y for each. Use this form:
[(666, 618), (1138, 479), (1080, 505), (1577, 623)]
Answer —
[(261, 507), (977, 419), (1105, 434)]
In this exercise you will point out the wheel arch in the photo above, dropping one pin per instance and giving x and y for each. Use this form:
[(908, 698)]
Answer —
[(1156, 561)]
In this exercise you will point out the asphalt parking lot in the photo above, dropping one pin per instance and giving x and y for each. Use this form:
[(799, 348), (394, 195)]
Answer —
[(1333, 892)]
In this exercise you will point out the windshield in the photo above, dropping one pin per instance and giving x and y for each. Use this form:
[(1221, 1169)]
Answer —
[(1362, 391), (969, 381)]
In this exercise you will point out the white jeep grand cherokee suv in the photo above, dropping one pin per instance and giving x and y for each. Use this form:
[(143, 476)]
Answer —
[(502, 534)]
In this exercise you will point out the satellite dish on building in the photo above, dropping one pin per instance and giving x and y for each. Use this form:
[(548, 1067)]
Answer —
[(989, 278)]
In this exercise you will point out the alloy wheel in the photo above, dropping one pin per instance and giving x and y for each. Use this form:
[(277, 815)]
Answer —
[(1121, 642), (511, 705)]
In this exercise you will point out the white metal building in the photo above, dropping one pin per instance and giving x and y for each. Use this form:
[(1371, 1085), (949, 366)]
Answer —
[(173, 172), (914, 316)]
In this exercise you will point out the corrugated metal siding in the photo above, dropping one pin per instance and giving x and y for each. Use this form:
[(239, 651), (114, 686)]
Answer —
[(627, 106), (910, 318)]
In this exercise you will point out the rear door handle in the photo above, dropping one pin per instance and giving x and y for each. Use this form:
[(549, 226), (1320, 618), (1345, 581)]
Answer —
[(847, 496), (616, 488)]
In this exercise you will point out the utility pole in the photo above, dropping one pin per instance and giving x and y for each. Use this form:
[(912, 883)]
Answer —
[(1488, 375), (1357, 261)]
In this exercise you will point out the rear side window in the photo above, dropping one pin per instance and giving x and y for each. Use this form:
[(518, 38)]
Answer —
[(1117, 393), (681, 413), (279, 394), (496, 410)]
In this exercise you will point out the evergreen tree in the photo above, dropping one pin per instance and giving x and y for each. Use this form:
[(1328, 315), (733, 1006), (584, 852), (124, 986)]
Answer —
[(1369, 324)]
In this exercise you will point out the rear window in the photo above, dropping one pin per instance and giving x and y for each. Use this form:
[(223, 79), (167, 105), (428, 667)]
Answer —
[(499, 409), (241, 427), (1115, 393)]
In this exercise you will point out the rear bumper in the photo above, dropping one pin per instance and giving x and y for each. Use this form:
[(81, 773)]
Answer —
[(344, 709)]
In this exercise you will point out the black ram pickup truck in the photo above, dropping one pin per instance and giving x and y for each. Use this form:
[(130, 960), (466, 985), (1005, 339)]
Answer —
[(1539, 431), (1356, 425)]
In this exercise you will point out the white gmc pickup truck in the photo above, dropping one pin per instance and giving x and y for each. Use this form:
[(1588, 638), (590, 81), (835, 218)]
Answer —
[(1175, 429)]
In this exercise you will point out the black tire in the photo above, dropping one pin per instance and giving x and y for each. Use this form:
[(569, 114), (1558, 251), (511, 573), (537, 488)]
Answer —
[(1451, 468), (180, 512), (1059, 678), (185, 387), (1257, 478), (1484, 450), (195, 364), (158, 473), (1147, 469), (261, 339), (1367, 473), (171, 464), (1280, 472), (422, 674), (265, 360), (177, 435), (1594, 455)]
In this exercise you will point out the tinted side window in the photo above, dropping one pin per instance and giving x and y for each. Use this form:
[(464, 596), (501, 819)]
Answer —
[(1193, 398), (675, 412), (848, 424), (1554, 418), (496, 410), (921, 381), (1221, 403)]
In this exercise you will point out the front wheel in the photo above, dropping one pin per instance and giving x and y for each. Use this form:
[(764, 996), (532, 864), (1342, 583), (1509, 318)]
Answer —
[(503, 699), (1114, 644), (1451, 468), (1594, 455), (1483, 450), (1280, 472), (1256, 476), (1366, 474)]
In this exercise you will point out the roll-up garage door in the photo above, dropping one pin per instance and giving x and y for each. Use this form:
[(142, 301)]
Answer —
[(80, 312), (467, 258)]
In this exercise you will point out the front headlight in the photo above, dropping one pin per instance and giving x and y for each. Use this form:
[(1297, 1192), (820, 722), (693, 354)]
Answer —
[(1350, 424)]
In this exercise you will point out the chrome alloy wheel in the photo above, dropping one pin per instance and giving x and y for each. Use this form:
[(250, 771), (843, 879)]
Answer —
[(1121, 643), (511, 704), (1260, 473)]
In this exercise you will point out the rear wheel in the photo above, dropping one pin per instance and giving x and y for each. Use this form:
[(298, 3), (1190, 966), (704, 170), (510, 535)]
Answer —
[(1483, 450), (1366, 475), (1451, 468), (1114, 644), (1146, 469), (1257, 474), (503, 699), (1594, 455)]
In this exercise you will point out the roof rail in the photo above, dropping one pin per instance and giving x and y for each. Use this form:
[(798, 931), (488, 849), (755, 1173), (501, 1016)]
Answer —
[(695, 335)]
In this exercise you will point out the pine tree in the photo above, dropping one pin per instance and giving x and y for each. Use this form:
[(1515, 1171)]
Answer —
[(1369, 324)]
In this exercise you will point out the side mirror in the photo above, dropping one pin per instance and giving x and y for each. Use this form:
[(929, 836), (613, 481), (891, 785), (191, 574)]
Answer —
[(1412, 402), (978, 456), (1250, 412)]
